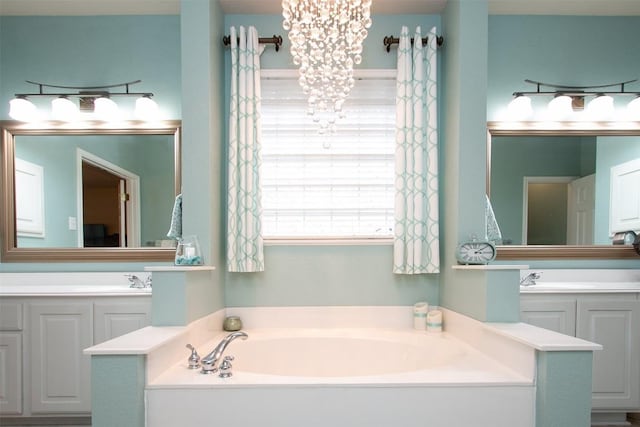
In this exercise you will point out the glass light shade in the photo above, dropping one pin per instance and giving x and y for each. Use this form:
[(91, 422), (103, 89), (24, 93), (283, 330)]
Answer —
[(326, 42), (520, 108), (633, 108), (560, 107), (600, 107), (22, 110), (146, 109), (106, 109), (64, 109)]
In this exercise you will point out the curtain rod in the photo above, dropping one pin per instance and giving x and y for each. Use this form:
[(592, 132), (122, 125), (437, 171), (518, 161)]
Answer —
[(275, 40), (388, 41)]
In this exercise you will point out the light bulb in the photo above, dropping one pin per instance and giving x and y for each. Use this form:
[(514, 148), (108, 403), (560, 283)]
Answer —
[(600, 107), (633, 108), (560, 107), (106, 109), (520, 108), (64, 109), (22, 109), (146, 109)]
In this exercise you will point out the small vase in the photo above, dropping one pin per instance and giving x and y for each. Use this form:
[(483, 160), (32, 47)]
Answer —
[(188, 251)]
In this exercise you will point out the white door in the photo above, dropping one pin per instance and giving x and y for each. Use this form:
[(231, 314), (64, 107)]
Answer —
[(624, 208), (581, 211)]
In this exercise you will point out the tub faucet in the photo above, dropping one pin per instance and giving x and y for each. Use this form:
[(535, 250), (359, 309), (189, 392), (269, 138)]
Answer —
[(530, 279), (137, 283), (210, 360)]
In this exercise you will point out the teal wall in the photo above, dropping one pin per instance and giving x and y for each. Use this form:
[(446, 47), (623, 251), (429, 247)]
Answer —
[(151, 157), (330, 275), (571, 50), (92, 50)]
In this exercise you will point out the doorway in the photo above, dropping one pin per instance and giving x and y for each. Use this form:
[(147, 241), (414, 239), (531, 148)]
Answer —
[(108, 207), (554, 212)]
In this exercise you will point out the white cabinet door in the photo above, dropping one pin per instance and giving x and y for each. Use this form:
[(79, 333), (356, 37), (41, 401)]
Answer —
[(60, 373), (616, 369), (550, 313), (118, 318), (10, 373)]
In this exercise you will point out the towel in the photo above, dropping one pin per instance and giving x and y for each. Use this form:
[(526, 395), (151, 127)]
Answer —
[(493, 230), (175, 230)]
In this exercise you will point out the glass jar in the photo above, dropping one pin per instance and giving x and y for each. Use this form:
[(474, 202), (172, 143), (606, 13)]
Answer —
[(188, 251)]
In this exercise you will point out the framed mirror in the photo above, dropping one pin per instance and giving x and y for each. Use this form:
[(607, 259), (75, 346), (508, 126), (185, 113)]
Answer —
[(99, 192), (527, 161)]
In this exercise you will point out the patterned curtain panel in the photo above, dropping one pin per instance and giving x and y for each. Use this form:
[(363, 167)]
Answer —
[(244, 238), (416, 240)]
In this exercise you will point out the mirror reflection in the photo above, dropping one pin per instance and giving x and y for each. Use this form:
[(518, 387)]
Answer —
[(563, 188), (89, 193)]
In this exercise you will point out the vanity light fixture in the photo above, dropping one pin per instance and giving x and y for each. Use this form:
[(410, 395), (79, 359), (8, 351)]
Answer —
[(569, 99), (92, 99)]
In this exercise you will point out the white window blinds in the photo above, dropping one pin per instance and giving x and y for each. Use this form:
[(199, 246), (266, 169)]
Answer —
[(326, 186)]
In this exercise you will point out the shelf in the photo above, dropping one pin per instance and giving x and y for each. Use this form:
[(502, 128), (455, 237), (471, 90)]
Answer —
[(490, 267), (180, 268)]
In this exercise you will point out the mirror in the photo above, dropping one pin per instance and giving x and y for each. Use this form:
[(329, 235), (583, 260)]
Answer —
[(91, 193), (526, 159)]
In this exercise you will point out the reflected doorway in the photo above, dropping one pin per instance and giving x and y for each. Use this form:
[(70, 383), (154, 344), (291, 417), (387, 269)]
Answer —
[(558, 210), (108, 208)]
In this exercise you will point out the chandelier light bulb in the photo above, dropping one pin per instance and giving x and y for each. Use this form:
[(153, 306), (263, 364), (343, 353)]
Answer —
[(146, 109), (520, 108), (326, 42), (22, 109), (64, 109), (600, 107), (106, 109), (560, 107)]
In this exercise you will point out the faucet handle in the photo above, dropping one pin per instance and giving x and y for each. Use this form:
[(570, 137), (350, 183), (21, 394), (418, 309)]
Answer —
[(225, 367), (194, 358)]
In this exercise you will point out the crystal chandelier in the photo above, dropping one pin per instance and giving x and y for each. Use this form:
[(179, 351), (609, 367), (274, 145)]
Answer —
[(326, 41)]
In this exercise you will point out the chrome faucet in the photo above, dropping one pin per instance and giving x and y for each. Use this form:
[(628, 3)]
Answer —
[(137, 283), (530, 279), (209, 362)]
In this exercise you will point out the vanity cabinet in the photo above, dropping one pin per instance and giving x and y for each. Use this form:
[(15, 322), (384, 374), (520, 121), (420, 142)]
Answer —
[(43, 371), (612, 320), (11, 325)]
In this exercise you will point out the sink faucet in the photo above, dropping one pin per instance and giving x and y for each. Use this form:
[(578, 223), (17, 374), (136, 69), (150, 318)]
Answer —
[(530, 279), (137, 283), (210, 360)]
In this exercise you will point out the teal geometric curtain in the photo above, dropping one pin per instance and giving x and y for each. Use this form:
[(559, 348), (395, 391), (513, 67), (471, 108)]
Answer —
[(416, 247), (244, 238)]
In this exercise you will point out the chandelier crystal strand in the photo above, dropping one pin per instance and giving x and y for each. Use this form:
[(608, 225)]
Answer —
[(326, 42)]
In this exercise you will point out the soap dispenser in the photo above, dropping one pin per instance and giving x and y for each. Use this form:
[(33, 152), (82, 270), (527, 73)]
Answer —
[(194, 358)]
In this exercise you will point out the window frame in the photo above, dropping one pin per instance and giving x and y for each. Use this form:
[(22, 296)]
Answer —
[(292, 74)]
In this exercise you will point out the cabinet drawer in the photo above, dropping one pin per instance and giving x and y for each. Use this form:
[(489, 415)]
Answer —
[(10, 316)]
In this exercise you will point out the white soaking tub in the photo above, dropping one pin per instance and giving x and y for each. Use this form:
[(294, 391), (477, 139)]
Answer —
[(346, 377)]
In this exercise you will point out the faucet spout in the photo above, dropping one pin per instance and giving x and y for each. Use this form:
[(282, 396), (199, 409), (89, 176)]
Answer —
[(530, 279), (210, 361)]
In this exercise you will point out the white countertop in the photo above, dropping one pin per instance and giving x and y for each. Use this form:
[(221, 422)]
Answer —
[(581, 287), (583, 281), (541, 339), (70, 284)]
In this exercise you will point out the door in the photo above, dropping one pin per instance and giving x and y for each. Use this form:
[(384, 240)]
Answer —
[(555, 314), (616, 368), (10, 373), (60, 373), (581, 210)]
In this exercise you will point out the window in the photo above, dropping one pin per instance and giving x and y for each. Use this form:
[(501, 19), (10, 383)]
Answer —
[(337, 185)]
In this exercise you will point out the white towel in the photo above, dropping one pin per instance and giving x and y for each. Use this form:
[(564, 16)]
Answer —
[(493, 230), (175, 230)]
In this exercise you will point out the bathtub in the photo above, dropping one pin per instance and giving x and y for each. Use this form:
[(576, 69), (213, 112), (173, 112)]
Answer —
[(345, 377)]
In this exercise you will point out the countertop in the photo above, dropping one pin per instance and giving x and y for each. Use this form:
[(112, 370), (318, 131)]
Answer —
[(71, 284)]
